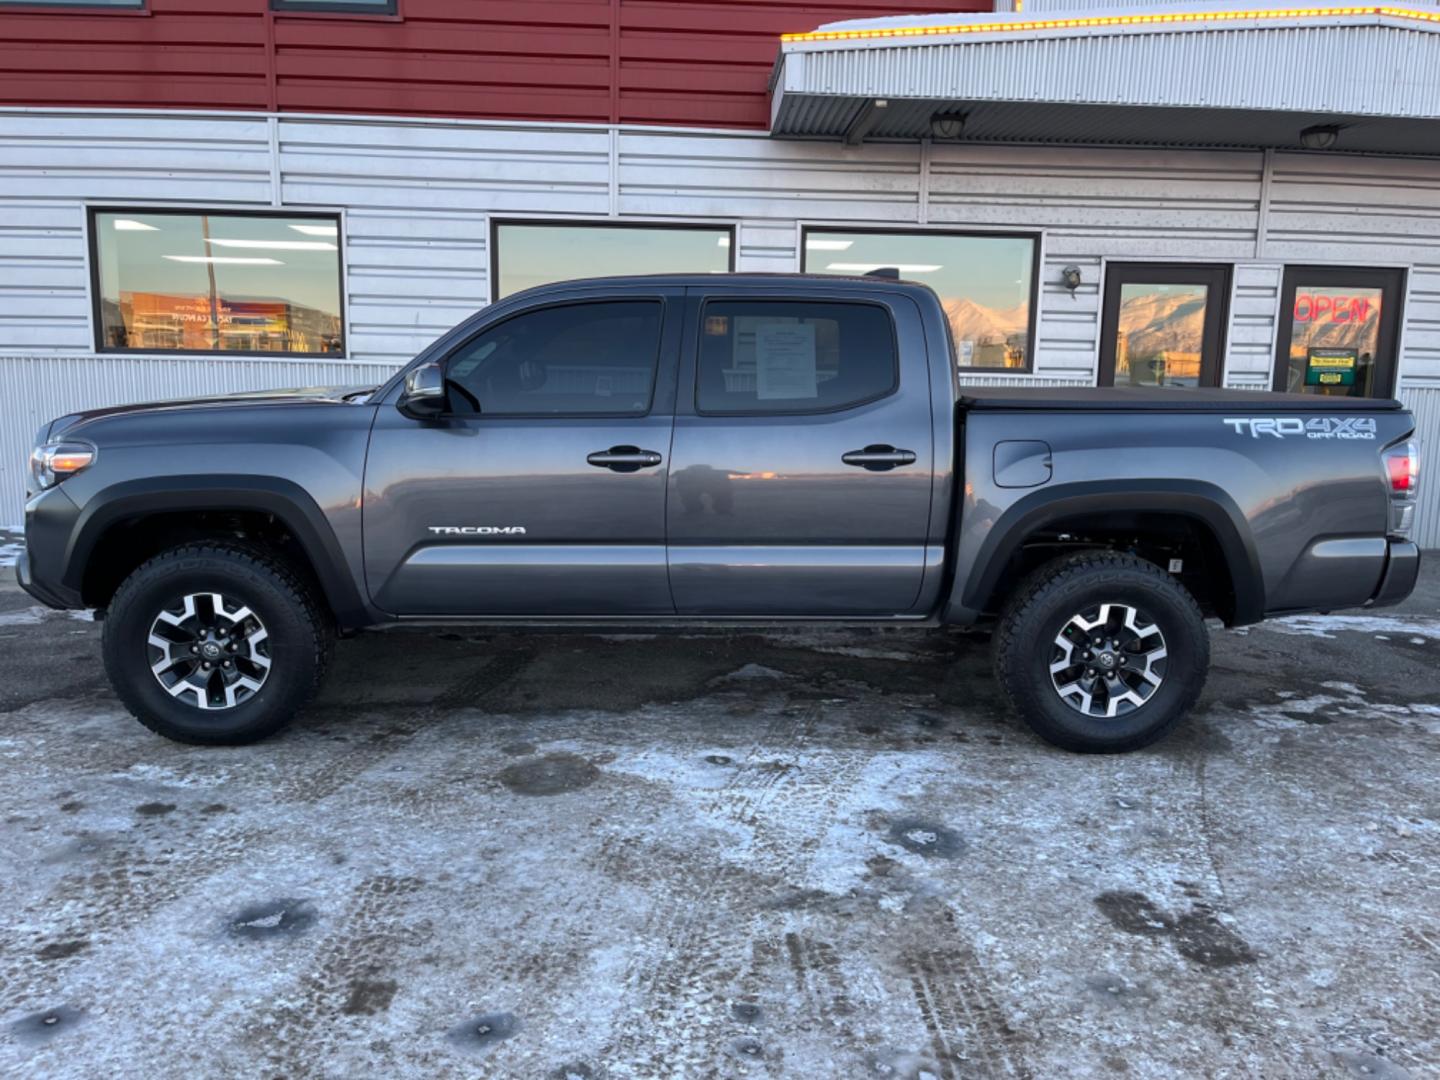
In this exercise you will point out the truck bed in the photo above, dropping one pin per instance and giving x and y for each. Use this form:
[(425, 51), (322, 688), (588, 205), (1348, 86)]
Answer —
[(1149, 399)]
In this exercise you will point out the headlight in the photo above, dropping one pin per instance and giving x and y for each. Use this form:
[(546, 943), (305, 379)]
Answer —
[(53, 461)]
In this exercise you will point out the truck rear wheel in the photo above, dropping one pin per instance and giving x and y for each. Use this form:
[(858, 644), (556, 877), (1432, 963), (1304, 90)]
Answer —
[(215, 643), (1101, 652)]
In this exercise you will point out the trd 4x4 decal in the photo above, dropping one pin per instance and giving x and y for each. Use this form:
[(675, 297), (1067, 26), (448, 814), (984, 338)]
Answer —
[(1316, 427)]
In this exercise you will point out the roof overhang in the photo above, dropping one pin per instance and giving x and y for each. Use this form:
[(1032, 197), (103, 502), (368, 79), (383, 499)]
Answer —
[(1227, 75)]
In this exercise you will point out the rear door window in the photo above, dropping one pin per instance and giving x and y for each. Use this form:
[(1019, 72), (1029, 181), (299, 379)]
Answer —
[(784, 356)]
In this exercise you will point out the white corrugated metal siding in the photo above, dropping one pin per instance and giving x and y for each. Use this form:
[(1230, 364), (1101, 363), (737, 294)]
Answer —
[(38, 389), (418, 196), (1425, 404)]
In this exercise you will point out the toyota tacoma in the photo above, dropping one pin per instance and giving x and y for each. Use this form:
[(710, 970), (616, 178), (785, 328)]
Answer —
[(690, 449)]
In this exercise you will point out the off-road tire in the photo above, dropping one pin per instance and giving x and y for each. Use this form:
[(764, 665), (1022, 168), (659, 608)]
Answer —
[(301, 636), (1041, 606)]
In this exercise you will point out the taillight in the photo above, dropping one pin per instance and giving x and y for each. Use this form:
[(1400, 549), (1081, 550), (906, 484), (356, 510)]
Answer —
[(1403, 464), (1402, 470)]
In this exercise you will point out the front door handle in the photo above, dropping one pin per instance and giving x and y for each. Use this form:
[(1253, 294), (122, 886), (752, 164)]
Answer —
[(624, 459), (880, 457)]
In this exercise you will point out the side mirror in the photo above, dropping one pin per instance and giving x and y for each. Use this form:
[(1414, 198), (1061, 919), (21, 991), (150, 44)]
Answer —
[(424, 396)]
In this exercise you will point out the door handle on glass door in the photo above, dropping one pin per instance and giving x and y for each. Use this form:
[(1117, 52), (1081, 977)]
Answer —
[(624, 459), (880, 457)]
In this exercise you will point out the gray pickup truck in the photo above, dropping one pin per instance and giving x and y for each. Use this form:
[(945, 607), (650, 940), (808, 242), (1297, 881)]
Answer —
[(685, 449)]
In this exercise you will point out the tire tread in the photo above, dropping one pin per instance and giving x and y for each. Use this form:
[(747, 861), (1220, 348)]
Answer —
[(292, 585), (1093, 564)]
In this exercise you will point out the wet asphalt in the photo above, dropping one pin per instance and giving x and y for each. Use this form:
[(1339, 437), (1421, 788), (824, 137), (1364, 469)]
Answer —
[(796, 854)]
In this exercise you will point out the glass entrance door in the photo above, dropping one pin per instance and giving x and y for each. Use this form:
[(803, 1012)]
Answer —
[(1338, 331), (1163, 325)]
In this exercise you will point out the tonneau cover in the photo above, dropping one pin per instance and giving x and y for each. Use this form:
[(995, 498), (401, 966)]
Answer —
[(1168, 399)]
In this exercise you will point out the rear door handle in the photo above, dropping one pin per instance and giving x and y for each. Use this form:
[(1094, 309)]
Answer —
[(880, 457), (624, 459)]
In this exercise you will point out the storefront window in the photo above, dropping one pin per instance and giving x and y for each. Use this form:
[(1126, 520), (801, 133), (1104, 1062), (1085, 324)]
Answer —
[(1338, 331), (222, 282), (985, 281), (530, 253), (1163, 325)]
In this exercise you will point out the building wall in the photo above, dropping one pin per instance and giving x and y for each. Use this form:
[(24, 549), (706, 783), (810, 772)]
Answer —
[(618, 61), (417, 197)]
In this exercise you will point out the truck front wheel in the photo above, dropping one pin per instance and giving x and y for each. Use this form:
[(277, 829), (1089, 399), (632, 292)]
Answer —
[(215, 643), (1101, 652)]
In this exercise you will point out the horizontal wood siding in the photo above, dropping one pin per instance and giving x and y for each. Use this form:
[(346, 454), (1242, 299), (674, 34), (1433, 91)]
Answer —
[(695, 63)]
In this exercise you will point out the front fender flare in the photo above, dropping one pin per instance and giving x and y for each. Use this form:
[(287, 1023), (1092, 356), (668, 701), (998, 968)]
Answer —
[(285, 500)]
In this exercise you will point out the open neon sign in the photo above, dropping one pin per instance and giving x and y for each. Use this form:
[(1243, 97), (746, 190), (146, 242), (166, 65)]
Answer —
[(1325, 307)]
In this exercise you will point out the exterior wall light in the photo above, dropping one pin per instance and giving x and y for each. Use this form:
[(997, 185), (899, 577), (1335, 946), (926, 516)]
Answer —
[(1070, 278), (947, 125), (1320, 137)]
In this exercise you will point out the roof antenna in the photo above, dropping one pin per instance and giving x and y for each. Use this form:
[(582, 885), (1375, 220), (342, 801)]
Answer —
[(889, 273)]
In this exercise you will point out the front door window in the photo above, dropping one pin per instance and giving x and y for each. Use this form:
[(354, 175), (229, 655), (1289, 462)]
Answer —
[(1337, 332), (1163, 325)]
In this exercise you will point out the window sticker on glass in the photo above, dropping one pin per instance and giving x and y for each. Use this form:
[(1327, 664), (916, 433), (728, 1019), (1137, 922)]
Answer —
[(785, 362)]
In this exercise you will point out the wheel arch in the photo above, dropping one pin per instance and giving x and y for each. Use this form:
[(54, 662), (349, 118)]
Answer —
[(134, 501), (1205, 505)]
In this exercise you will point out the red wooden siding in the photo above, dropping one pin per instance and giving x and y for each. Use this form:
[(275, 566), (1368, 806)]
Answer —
[(701, 62)]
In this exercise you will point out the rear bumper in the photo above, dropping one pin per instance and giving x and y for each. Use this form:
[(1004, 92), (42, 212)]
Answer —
[(1402, 569)]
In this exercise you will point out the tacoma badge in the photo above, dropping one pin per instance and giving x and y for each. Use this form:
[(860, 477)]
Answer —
[(478, 530)]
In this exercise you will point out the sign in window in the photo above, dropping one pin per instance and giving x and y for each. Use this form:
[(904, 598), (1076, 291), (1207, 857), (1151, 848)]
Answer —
[(759, 356), (1338, 331)]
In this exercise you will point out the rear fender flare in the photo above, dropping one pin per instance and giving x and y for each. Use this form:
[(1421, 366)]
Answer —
[(1196, 499)]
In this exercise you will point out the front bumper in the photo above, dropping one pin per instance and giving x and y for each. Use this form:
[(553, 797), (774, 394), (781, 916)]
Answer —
[(50, 520), (1402, 570), (50, 597)]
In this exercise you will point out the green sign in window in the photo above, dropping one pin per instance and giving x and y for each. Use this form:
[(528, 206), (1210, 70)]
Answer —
[(1331, 367)]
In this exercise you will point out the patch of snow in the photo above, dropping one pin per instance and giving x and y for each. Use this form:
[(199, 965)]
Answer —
[(9, 552), (1346, 701), (265, 921), (30, 616), (33, 616), (752, 671), (1419, 630)]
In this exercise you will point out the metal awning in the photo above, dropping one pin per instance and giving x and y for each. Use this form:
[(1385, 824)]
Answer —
[(1232, 75)]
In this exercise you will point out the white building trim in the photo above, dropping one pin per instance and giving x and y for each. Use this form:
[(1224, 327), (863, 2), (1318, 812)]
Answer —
[(1236, 74)]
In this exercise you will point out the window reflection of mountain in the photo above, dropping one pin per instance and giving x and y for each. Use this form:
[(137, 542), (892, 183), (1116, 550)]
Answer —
[(1156, 323), (998, 337)]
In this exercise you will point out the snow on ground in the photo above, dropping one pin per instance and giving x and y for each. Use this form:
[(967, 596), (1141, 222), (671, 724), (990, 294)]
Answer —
[(12, 542), (760, 855), (1327, 626)]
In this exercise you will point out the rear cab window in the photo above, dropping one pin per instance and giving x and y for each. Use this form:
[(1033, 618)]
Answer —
[(759, 357)]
